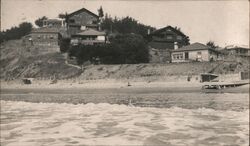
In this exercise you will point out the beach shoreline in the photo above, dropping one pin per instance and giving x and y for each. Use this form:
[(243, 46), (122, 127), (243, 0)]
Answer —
[(187, 95)]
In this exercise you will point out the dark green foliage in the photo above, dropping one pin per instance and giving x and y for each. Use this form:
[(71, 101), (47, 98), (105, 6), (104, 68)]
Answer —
[(100, 12), (123, 49), (62, 16), (16, 32), (211, 44), (124, 26), (39, 21), (64, 44)]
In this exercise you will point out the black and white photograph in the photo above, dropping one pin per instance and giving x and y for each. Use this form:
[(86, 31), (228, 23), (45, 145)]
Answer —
[(124, 72)]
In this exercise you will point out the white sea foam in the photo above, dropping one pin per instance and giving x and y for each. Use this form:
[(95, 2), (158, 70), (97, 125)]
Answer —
[(26, 124)]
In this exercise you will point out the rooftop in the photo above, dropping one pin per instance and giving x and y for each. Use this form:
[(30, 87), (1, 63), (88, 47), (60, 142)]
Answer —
[(237, 46), (193, 47), (168, 27), (46, 30), (91, 32), (54, 20), (82, 10)]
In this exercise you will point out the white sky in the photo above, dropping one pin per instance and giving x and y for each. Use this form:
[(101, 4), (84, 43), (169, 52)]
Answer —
[(225, 22)]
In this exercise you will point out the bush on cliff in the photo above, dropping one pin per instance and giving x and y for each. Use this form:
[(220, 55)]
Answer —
[(64, 44), (16, 32), (123, 49)]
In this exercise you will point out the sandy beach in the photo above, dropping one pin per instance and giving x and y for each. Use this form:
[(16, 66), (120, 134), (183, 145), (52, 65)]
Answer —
[(149, 94), (94, 84)]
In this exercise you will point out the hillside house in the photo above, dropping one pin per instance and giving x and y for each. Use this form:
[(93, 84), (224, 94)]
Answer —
[(194, 52), (88, 37), (80, 20), (82, 27), (46, 36), (164, 40), (238, 50)]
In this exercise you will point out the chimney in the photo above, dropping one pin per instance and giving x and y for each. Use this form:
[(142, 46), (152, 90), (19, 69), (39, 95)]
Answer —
[(148, 31), (175, 45), (99, 26)]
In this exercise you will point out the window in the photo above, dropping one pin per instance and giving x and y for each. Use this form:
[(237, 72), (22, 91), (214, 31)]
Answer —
[(72, 20), (199, 56), (38, 37), (51, 37), (179, 37), (169, 37), (178, 56), (83, 27)]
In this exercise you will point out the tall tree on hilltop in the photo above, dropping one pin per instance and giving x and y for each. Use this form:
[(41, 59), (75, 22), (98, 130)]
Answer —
[(16, 32), (62, 16), (211, 44), (100, 12), (25, 28), (124, 25), (39, 21)]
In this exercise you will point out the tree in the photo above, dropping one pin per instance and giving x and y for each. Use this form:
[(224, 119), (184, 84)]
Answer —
[(39, 21), (100, 12), (16, 32), (62, 16), (25, 28), (64, 44), (123, 49), (211, 44), (125, 25)]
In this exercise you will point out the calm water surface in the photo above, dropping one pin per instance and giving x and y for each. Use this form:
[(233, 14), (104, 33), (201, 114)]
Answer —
[(35, 124)]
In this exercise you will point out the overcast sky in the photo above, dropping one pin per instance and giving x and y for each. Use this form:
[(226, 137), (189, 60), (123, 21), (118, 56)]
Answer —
[(225, 22)]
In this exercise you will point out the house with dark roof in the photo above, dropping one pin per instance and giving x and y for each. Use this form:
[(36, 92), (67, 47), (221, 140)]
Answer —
[(82, 27), (80, 20), (163, 40), (194, 52)]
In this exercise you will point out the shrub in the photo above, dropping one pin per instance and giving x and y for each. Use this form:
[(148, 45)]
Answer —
[(16, 32), (123, 49), (64, 44)]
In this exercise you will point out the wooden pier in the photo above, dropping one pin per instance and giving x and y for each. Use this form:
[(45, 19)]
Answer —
[(223, 85)]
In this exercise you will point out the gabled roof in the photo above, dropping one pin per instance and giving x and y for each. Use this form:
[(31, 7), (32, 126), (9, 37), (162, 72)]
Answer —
[(46, 30), (53, 20), (90, 32), (166, 28), (193, 47), (236, 47), (82, 10)]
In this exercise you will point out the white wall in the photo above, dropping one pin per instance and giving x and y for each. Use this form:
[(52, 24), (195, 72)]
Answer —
[(101, 38), (192, 55), (204, 55), (178, 60)]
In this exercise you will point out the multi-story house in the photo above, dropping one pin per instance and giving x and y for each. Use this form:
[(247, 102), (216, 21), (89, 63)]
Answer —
[(81, 20), (82, 27), (163, 40)]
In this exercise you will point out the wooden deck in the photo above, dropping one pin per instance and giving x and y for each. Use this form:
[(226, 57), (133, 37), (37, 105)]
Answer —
[(223, 85)]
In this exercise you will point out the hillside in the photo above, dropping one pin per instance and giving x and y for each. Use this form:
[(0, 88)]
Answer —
[(19, 60)]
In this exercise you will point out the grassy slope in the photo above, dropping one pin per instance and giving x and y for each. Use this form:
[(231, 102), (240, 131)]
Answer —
[(19, 60)]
